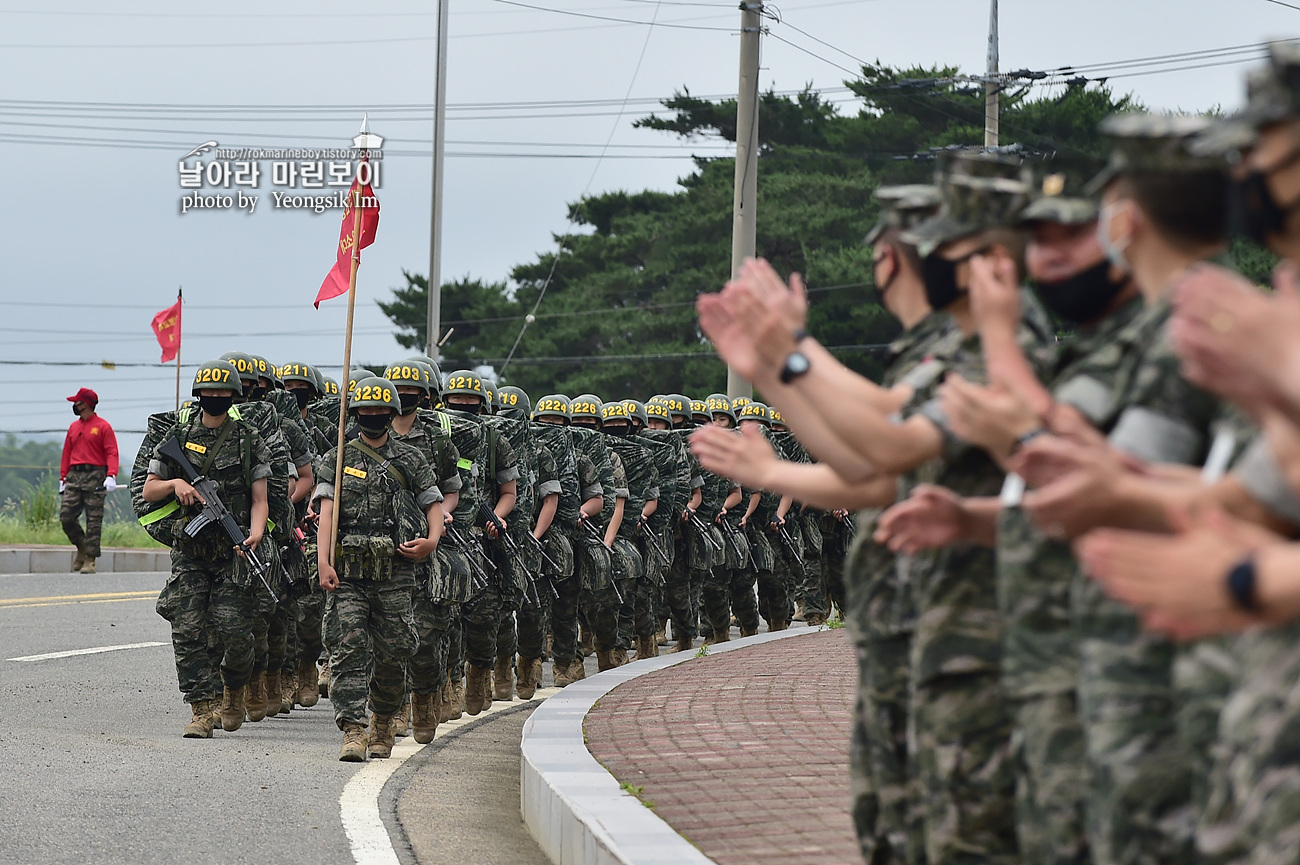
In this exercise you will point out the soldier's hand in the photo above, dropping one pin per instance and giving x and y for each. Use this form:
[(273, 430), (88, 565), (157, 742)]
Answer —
[(252, 542), (721, 515), (418, 549), (186, 494), (932, 517), (687, 514), (990, 417), (491, 528), (746, 458), (994, 293), (744, 521), (329, 578)]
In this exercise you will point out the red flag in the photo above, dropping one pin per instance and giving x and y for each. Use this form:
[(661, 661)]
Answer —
[(336, 283), (167, 327)]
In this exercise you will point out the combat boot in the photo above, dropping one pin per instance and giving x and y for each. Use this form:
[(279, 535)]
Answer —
[(748, 632), (201, 727), (569, 673), (257, 696), (424, 720), (380, 741), (455, 699), (232, 708), (586, 642), (503, 678), (816, 621), (530, 675), (661, 637), (308, 691), (646, 647), (288, 687), (474, 676), (722, 636), (89, 566), (78, 560), (777, 624), (683, 645), (445, 697), (620, 657), (799, 613), (402, 720), (354, 743), (323, 679), (605, 660), (272, 693)]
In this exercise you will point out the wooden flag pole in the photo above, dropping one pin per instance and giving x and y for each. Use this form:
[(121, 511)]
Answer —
[(347, 368), (179, 321)]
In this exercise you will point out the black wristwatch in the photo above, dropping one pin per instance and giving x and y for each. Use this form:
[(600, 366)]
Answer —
[(1240, 583), (796, 362)]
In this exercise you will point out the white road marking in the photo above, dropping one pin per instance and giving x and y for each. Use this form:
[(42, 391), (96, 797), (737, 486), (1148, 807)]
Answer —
[(359, 803), (50, 656)]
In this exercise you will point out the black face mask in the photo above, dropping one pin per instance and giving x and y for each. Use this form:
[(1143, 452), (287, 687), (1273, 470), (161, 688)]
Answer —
[(76, 411), (940, 277), (1253, 212), (216, 405), (256, 392), (620, 430), (410, 401), (373, 423), (1084, 297), (302, 395)]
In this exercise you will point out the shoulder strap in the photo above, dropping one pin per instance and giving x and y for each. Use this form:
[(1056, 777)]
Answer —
[(216, 446), (385, 464)]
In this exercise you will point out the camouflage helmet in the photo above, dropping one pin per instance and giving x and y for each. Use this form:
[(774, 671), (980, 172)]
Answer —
[(430, 362), (329, 387), (216, 375), (245, 364), (659, 410), (513, 403), (355, 376), (265, 369), (700, 411), (585, 406), (490, 388), (636, 412), (552, 405), (739, 402), (755, 411), (408, 373), (719, 403), (775, 416), (677, 404), (295, 371), (464, 382), (374, 391), (432, 375), (615, 412)]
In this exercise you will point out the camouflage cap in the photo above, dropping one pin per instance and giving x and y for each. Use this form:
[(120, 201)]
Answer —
[(1272, 95), (1059, 192), (902, 207), (970, 205), (1145, 143)]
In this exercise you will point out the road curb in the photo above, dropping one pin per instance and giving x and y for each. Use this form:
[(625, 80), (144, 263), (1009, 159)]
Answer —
[(58, 560), (572, 806)]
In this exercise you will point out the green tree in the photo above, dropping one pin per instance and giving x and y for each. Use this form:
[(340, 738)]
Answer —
[(623, 279)]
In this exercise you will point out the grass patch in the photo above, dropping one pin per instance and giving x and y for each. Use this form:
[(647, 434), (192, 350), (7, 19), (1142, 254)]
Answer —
[(834, 623), (631, 789), (702, 651), (34, 519)]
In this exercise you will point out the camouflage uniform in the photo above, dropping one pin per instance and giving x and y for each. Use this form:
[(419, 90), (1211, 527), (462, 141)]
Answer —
[(368, 617), (686, 575), (578, 480), (535, 619), (519, 435), (674, 492), (630, 561), (805, 527), (584, 549), (209, 590), (597, 600), (717, 578), (84, 489), (774, 601)]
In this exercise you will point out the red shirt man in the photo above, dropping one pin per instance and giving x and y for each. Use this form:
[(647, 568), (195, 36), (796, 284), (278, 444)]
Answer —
[(86, 473), (90, 440)]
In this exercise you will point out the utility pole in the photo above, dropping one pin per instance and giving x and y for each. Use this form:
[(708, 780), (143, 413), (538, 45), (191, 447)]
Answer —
[(991, 84), (744, 225), (434, 320)]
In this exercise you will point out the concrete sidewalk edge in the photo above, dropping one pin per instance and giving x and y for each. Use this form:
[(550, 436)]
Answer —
[(58, 560), (572, 806)]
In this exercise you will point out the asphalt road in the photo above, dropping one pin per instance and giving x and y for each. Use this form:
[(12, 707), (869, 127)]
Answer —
[(93, 767)]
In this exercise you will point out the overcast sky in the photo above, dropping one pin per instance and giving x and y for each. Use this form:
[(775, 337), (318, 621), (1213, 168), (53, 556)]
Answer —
[(93, 241)]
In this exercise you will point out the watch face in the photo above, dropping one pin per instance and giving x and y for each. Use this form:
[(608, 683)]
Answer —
[(797, 363)]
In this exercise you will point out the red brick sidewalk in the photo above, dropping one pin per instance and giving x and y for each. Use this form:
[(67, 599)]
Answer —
[(745, 753)]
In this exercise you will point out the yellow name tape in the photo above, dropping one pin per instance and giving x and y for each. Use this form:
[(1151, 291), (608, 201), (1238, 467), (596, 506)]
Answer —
[(197, 448), (356, 473)]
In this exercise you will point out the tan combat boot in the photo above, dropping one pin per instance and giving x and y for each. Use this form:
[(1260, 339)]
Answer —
[(288, 687), (380, 740), (201, 727), (570, 673), (272, 693), (647, 647), (89, 566), (722, 636), (424, 718), (323, 679), (78, 560), (586, 642), (474, 676), (455, 700), (446, 696), (354, 743), (798, 612), (232, 708), (530, 676), (503, 678), (257, 696), (683, 645), (748, 632), (402, 720), (605, 660), (308, 691), (777, 625)]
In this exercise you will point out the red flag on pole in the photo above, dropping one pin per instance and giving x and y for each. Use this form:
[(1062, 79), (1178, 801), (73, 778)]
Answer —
[(336, 283), (167, 327)]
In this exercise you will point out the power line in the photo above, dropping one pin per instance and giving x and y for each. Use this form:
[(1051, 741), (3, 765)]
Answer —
[(619, 20)]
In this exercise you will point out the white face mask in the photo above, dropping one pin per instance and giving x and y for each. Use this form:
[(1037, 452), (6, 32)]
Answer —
[(1114, 252)]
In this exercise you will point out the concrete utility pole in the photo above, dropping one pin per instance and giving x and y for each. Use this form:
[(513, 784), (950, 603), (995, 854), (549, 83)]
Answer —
[(744, 225), (991, 85), (434, 320)]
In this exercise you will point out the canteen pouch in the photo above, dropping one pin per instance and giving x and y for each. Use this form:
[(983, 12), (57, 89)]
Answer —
[(365, 557)]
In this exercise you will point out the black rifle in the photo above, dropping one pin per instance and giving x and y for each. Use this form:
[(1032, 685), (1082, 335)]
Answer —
[(737, 535), (541, 551), (598, 532), (850, 526), (516, 552), (703, 529), (794, 551), (654, 544), (214, 511), (479, 577)]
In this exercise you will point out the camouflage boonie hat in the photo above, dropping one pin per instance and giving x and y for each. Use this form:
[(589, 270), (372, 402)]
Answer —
[(1152, 143), (902, 207), (979, 190), (1059, 193), (1272, 95)]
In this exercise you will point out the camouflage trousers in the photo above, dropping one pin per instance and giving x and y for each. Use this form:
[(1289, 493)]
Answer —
[(628, 571), (1253, 814), (728, 592), (810, 589), (564, 621), (207, 610), (645, 591), (310, 613), (427, 669), (84, 490), (480, 620), (744, 603), (959, 743), (680, 588), (1205, 673), (1139, 806), (456, 649), (507, 631), (371, 630), (883, 681), (1051, 778), (532, 622), (597, 601)]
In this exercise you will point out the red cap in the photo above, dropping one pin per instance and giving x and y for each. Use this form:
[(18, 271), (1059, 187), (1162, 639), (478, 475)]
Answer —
[(85, 395)]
